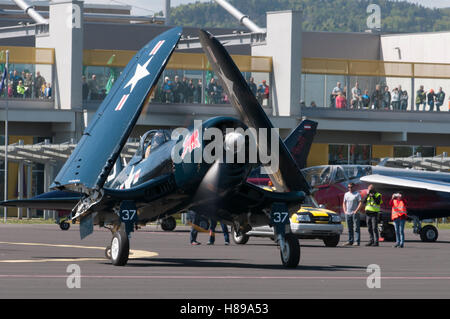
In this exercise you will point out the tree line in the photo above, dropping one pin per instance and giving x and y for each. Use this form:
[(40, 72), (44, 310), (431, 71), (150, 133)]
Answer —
[(319, 15)]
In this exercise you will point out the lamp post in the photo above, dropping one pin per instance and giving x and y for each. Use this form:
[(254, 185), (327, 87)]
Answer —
[(6, 136)]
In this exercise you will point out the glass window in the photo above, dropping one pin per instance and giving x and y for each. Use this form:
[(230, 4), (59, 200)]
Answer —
[(407, 151), (360, 154), (349, 154), (338, 154), (340, 176)]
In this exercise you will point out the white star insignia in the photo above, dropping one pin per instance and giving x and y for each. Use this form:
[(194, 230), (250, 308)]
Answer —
[(141, 72)]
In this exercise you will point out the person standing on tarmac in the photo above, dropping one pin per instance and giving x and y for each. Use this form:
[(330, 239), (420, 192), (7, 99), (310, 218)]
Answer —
[(194, 232), (399, 216), (373, 202), (351, 205), (212, 232)]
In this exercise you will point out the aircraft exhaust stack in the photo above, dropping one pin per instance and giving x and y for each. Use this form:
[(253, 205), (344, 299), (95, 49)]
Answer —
[(243, 19)]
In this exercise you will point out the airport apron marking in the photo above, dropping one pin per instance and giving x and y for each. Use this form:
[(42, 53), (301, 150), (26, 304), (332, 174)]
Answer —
[(134, 254)]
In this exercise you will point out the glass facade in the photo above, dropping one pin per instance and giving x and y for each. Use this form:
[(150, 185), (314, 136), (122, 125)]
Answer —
[(420, 151), (343, 154), (175, 85), (26, 81)]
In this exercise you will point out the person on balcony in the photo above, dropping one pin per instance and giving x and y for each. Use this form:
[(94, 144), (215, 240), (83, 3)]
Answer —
[(213, 92), (356, 96), (167, 90), (395, 100), (341, 101), (48, 91), (440, 98), (335, 93), (421, 98), (93, 87), (376, 98), (39, 80), (365, 100), (20, 90), (386, 98), (404, 100), (430, 98)]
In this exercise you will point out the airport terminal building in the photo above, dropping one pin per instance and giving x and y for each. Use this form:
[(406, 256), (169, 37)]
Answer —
[(61, 70)]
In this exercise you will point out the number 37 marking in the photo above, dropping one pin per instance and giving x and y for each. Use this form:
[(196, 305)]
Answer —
[(128, 214), (280, 217)]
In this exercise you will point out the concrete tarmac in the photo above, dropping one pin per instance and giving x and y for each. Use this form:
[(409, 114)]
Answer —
[(34, 262)]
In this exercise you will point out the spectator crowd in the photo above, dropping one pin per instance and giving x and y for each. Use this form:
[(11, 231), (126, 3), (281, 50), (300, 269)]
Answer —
[(27, 85), (179, 90), (382, 98)]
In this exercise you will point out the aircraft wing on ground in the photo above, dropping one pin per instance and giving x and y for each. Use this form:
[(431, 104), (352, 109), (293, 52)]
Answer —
[(407, 182), (56, 200), (92, 160)]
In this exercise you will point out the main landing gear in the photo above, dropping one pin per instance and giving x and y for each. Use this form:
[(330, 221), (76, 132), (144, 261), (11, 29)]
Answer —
[(289, 245), (290, 251), (428, 234), (119, 249)]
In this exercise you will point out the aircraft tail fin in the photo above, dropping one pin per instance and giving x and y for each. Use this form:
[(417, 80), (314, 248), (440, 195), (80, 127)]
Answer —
[(300, 140)]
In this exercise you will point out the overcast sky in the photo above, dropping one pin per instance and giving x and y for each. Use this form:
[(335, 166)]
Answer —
[(148, 7)]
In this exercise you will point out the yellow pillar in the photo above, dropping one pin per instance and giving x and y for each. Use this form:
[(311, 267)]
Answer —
[(442, 149), (13, 169), (380, 151), (318, 155)]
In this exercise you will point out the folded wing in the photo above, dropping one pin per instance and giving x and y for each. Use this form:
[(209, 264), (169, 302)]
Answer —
[(92, 160)]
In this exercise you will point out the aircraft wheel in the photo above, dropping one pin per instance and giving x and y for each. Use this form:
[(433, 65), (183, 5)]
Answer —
[(290, 253), (331, 241), (238, 240), (168, 224), (429, 234), (120, 249), (64, 225), (388, 232), (108, 252)]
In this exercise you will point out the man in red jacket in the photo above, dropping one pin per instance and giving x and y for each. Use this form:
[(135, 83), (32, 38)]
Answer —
[(399, 216)]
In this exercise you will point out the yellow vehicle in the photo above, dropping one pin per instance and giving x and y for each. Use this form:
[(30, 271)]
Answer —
[(310, 222)]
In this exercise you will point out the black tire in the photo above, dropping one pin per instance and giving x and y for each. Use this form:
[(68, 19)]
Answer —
[(388, 232), (168, 224), (239, 240), (64, 225), (429, 234), (331, 241), (290, 254), (120, 249)]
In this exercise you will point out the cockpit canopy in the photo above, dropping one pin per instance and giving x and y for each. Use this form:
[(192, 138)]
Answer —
[(151, 140), (330, 174)]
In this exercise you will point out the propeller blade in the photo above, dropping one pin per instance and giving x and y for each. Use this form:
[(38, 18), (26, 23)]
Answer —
[(288, 176)]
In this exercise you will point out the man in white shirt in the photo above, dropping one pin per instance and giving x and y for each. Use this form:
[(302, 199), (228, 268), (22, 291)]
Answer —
[(335, 93), (356, 96), (351, 205)]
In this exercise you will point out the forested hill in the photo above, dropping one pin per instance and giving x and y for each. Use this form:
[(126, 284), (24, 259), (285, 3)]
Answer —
[(319, 15)]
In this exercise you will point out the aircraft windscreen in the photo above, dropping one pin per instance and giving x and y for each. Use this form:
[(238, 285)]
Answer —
[(354, 172), (317, 176)]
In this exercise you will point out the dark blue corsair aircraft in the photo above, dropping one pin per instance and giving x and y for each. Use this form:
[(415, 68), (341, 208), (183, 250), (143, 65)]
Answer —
[(152, 185)]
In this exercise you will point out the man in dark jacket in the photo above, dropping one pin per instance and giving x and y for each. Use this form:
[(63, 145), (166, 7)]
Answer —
[(386, 99), (376, 97), (421, 98), (440, 98)]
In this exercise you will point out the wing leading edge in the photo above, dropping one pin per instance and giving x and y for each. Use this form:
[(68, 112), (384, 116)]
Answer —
[(92, 160), (405, 182)]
